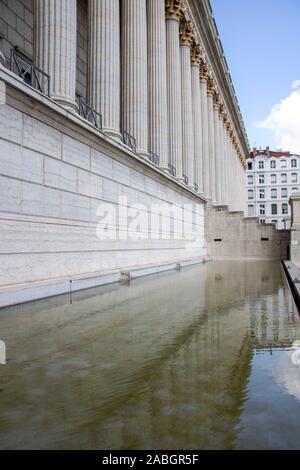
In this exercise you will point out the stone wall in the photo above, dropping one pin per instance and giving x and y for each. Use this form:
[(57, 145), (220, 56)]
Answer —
[(16, 26), (55, 170), (231, 235), (16, 29)]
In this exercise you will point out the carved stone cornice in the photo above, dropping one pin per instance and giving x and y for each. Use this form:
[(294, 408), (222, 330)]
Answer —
[(175, 9), (216, 101), (196, 54), (187, 33)]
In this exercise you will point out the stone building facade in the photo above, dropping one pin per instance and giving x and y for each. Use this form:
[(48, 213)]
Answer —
[(110, 99), (272, 176)]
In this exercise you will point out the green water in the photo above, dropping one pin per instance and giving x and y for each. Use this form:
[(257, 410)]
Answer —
[(197, 359)]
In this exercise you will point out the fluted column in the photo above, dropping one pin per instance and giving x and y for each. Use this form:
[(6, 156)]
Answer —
[(104, 62), (211, 145), (174, 12), (197, 117), (157, 76), (188, 154), (205, 148), (218, 161), (2, 58), (55, 46), (135, 76)]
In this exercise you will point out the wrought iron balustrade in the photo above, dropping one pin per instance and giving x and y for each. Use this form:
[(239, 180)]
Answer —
[(172, 170), (185, 180), (154, 158), (90, 114), (129, 140), (196, 186), (22, 65)]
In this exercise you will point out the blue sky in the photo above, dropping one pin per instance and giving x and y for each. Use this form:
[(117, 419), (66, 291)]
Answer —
[(261, 40)]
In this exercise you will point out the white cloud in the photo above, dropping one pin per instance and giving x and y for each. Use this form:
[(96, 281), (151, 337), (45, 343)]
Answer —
[(284, 121)]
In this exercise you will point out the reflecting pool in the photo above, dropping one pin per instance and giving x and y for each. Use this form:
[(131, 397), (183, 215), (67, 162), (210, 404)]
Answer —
[(204, 358)]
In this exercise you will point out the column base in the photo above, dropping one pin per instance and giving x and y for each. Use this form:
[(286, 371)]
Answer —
[(68, 104), (113, 133), (142, 153)]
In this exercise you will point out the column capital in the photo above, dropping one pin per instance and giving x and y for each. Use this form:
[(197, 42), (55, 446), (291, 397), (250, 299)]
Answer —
[(211, 87), (187, 33), (175, 9), (204, 74), (216, 101), (196, 54)]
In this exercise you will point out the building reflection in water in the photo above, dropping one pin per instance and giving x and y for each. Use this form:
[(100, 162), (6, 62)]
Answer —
[(170, 361)]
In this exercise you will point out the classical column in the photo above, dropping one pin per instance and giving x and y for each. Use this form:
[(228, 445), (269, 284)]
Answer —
[(218, 161), (204, 113), (221, 146), (174, 12), (55, 47), (197, 118), (104, 62), (2, 58), (134, 79), (187, 35), (157, 77), (211, 142)]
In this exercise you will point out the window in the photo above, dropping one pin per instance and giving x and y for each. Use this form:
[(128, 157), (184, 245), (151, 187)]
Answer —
[(250, 194), (262, 209), (273, 193), (261, 194), (261, 165), (294, 163), (273, 164), (283, 163), (261, 179), (294, 190), (284, 178), (273, 179), (251, 211), (284, 192), (262, 221), (250, 165), (274, 209), (294, 178), (284, 208), (250, 179), (274, 222)]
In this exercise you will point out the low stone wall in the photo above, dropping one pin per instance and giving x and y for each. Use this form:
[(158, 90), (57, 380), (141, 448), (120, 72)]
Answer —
[(231, 235), (55, 172)]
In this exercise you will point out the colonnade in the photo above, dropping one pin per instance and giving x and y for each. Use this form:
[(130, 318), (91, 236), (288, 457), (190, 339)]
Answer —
[(148, 76)]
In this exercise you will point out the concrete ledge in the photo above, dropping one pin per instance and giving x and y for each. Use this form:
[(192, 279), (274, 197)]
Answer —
[(137, 272), (13, 295), (293, 277), (192, 262), (23, 293)]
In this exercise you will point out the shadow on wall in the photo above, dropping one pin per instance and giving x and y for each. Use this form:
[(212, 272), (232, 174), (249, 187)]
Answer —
[(231, 235)]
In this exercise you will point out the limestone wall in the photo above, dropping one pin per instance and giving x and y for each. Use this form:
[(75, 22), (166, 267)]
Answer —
[(230, 235), (54, 173)]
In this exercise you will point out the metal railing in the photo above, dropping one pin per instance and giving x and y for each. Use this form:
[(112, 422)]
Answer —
[(154, 158), (90, 114), (185, 180), (129, 140), (172, 170), (196, 186), (32, 75)]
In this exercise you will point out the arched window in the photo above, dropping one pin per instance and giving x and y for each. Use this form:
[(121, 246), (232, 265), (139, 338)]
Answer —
[(284, 208), (250, 194), (294, 178), (251, 210), (284, 192)]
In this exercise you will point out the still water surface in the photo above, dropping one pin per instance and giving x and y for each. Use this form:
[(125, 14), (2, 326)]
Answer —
[(200, 359)]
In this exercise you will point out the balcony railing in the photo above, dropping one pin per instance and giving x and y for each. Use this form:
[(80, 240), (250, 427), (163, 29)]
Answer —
[(185, 180), (172, 170), (32, 75), (196, 186), (90, 114), (129, 140), (154, 158)]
